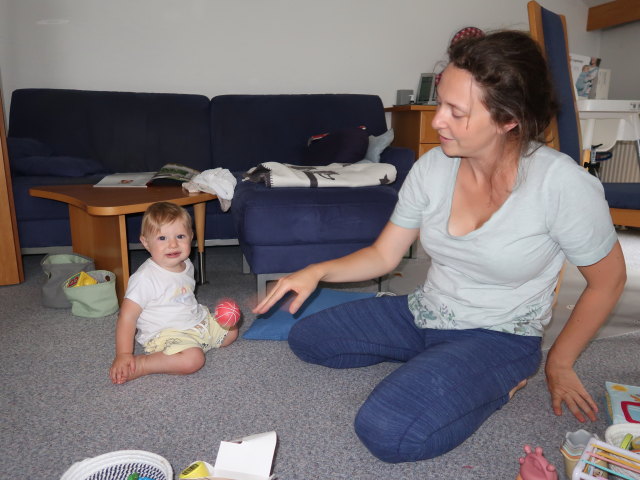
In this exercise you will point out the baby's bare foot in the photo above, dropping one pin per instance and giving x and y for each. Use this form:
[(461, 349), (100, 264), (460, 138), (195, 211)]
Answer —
[(137, 373), (516, 388)]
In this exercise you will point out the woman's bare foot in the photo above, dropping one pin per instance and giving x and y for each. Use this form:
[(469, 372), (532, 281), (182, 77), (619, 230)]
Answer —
[(516, 388)]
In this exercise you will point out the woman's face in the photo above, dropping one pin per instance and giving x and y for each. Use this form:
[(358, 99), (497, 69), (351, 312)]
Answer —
[(462, 121)]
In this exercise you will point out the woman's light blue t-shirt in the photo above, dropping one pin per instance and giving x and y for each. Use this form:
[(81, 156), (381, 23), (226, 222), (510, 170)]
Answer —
[(502, 275)]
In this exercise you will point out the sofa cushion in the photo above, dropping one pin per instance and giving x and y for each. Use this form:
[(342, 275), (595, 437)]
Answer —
[(345, 146), (125, 131), (57, 166), (43, 222), (248, 130), (622, 195), (298, 215), (27, 147), (285, 229)]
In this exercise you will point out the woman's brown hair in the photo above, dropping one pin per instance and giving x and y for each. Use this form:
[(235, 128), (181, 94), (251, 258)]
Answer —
[(513, 75)]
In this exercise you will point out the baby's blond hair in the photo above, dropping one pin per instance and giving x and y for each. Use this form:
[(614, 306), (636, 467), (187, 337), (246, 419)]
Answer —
[(163, 213)]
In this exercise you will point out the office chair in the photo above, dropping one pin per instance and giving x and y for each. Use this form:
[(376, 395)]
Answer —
[(550, 31)]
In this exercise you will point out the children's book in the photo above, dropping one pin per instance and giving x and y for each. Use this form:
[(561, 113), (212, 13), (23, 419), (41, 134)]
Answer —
[(169, 174), (584, 72), (623, 403)]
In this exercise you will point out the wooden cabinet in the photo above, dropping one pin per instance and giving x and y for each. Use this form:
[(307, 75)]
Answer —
[(412, 127), (10, 257)]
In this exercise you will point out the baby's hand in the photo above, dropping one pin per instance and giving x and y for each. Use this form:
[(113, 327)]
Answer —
[(123, 365)]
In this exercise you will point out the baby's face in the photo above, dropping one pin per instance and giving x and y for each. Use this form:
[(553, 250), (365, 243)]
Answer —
[(171, 246)]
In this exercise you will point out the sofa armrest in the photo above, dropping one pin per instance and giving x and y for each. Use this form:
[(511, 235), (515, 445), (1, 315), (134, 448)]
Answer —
[(401, 158)]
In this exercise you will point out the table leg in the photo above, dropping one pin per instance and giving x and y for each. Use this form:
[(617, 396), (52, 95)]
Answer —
[(103, 238), (199, 210)]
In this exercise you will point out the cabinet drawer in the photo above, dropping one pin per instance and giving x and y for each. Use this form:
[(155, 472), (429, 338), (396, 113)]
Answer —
[(427, 134), (425, 147), (412, 126)]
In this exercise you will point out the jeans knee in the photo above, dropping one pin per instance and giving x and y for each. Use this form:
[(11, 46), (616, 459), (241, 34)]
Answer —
[(381, 440), (298, 344), (307, 343), (393, 437)]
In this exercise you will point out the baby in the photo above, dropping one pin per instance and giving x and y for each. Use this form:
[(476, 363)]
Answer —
[(173, 328)]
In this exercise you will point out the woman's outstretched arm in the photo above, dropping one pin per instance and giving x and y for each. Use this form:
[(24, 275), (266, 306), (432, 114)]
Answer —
[(367, 263)]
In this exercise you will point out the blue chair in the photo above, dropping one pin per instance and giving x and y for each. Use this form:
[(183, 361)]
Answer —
[(550, 31)]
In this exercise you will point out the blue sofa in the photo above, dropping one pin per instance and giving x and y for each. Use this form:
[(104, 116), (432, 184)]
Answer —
[(58, 137), (281, 230), (76, 136)]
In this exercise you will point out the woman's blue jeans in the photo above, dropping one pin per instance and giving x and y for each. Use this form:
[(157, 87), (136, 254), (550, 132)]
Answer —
[(451, 381)]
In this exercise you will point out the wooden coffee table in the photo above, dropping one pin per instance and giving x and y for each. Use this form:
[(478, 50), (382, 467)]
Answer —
[(98, 227)]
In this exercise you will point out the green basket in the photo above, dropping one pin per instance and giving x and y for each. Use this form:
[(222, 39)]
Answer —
[(98, 300), (58, 268)]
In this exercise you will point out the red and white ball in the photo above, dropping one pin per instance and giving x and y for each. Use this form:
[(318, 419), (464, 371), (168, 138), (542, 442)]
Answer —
[(227, 313)]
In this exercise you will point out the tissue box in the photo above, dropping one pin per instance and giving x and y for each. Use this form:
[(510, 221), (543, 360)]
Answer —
[(248, 458)]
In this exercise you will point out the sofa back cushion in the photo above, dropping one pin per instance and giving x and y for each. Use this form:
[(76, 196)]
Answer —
[(124, 131), (247, 130)]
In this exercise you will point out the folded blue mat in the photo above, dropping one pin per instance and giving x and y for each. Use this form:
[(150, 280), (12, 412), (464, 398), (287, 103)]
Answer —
[(276, 323)]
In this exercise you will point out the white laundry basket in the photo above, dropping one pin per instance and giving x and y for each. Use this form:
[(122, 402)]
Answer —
[(614, 436), (119, 465)]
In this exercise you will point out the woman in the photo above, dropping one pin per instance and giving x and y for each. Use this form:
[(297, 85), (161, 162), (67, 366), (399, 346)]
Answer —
[(498, 213)]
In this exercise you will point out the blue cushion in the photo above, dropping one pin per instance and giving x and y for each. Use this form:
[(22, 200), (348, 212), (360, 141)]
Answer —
[(56, 166), (247, 130), (556, 52), (27, 147), (276, 323), (297, 215), (345, 146), (125, 131), (622, 195)]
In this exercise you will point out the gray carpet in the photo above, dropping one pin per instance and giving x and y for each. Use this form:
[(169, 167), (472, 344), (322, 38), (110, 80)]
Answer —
[(58, 405)]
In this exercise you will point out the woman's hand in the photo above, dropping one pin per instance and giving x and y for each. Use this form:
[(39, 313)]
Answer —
[(303, 283), (565, 387), (364, 264), (605, 282)]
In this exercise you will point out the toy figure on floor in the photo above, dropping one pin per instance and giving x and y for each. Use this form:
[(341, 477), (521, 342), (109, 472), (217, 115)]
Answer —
[(159, 302), (498, 212), (533, 466)]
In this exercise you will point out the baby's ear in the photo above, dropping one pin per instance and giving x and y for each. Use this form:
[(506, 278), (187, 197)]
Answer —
[(143, 241)]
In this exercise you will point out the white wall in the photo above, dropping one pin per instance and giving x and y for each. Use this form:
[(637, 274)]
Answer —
[(620, 51), (4, 42), (214, 47)]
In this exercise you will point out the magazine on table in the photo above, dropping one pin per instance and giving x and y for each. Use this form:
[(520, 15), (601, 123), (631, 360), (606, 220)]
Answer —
[(169, 174)]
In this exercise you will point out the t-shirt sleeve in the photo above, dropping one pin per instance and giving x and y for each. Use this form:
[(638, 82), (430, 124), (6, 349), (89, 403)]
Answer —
[(413, 198), (578, 214), (135, 292)]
